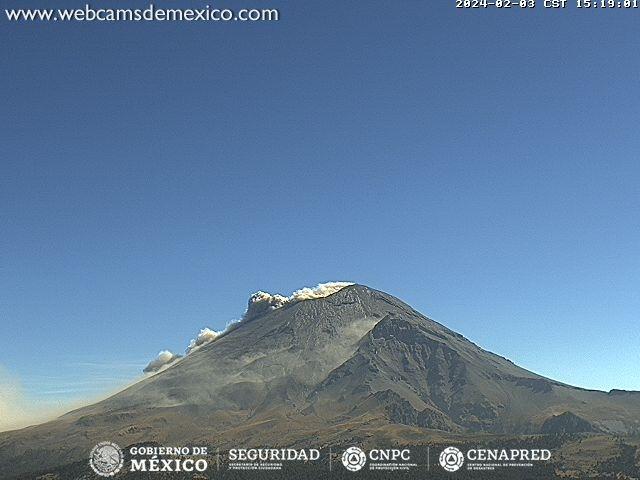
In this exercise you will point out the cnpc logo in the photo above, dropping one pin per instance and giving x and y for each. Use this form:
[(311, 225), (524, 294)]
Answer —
[(353, 458)]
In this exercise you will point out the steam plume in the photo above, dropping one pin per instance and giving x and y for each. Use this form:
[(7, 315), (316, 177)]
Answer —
[(260, 303), (205, 336), (164, 358), (263, 302), (319, 291)]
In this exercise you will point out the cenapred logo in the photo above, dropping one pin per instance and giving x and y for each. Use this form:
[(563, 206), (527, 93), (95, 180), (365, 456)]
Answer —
[(106, 459), (451, 459), (353, 459)]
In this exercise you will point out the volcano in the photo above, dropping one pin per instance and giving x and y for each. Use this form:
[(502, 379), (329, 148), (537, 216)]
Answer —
[(356, 364)]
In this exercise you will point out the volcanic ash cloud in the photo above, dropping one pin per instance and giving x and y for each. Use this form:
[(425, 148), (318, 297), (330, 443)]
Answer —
[(263, 302), (260, 303)]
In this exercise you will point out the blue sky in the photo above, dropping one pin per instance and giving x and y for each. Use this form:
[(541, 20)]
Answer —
[(480, 165)]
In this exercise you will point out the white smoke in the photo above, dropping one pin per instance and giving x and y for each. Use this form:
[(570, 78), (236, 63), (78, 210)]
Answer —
[(263, 302), (260, 303), (319, 291), (205, 336), (164, 358)]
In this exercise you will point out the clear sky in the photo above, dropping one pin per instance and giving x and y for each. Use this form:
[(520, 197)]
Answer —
[(481, 165)]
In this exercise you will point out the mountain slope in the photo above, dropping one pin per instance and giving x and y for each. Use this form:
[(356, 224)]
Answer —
[(330, 369)]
